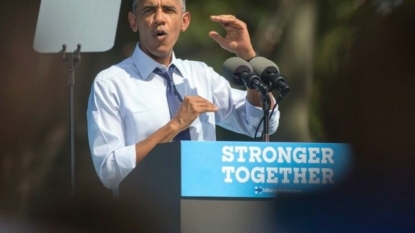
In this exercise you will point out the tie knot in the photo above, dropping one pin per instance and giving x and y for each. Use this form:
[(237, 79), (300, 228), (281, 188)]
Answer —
[(166, 74)]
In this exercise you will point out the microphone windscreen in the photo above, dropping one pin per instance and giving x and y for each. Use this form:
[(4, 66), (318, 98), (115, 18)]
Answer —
[(233, 68), (261, 65)]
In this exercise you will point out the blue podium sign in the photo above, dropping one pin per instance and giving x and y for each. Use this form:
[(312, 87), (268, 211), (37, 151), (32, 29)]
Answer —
[(260, 169)]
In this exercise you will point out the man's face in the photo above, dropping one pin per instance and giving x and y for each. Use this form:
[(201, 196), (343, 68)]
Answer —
[(159, 23)]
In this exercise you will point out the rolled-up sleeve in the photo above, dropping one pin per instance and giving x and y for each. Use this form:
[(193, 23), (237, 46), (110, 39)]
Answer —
[(112, 158), (255, 114)]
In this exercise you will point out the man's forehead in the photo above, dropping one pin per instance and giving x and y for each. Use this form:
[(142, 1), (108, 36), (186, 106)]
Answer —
[(159, 2)]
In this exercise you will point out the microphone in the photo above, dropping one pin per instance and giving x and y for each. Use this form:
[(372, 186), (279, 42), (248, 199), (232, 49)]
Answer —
[(270, 74), (239, 72)]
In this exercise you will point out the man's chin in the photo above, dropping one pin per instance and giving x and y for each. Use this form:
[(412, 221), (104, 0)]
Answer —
[(161, 54), (157, 51)]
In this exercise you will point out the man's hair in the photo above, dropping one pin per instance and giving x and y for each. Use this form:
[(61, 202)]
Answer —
[(135, 2)]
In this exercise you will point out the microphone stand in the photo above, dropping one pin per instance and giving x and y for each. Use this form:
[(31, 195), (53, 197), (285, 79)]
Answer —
[(266, 103), (72, 62)]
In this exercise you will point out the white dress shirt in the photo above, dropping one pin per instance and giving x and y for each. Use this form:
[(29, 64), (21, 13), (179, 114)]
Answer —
[(128, 103)]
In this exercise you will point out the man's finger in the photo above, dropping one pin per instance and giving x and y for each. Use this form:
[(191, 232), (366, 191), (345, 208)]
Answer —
[(199, 104), (215, 36)]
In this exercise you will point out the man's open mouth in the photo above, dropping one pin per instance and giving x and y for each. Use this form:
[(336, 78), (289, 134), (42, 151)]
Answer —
[(160, 33)]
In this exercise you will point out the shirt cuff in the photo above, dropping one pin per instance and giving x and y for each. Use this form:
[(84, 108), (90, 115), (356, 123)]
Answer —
[(254, 114), (126, 160)]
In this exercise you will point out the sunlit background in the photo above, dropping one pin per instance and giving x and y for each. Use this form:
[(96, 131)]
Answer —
[(350, 65)]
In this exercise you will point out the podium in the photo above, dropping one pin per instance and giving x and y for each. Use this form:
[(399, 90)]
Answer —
[(228, 187)]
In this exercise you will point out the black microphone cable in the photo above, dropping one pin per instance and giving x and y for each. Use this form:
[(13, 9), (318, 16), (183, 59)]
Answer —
[(270, 115)]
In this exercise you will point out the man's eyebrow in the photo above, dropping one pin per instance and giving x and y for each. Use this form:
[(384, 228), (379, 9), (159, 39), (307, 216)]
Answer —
[(164, 7), (149, 7), (168, 7)]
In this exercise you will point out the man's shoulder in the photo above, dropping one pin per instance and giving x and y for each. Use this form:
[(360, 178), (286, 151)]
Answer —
[(116, 71), (191, 63), (193, 66)]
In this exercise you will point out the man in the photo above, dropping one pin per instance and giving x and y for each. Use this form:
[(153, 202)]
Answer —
[(128, 114)]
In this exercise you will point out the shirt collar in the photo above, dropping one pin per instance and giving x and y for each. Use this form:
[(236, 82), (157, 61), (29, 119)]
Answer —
[(146, 65)]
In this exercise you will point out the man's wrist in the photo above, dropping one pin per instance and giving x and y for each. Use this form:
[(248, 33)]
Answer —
[(246, 55), (256, 55)]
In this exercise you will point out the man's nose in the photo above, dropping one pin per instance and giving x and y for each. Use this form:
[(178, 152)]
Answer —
[(159, 16)]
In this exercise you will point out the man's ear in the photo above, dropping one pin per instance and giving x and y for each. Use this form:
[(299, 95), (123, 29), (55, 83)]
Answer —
[(185, 21), (133, 21)]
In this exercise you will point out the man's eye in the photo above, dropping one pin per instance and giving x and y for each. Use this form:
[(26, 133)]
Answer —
[(169, 10), (147, 10)]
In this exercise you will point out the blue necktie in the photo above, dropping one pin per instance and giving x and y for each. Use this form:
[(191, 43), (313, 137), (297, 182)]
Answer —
[(173, 99)]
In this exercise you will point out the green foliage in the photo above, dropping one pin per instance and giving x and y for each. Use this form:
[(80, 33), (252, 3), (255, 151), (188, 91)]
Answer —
[(340, 22), (336, 33)]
